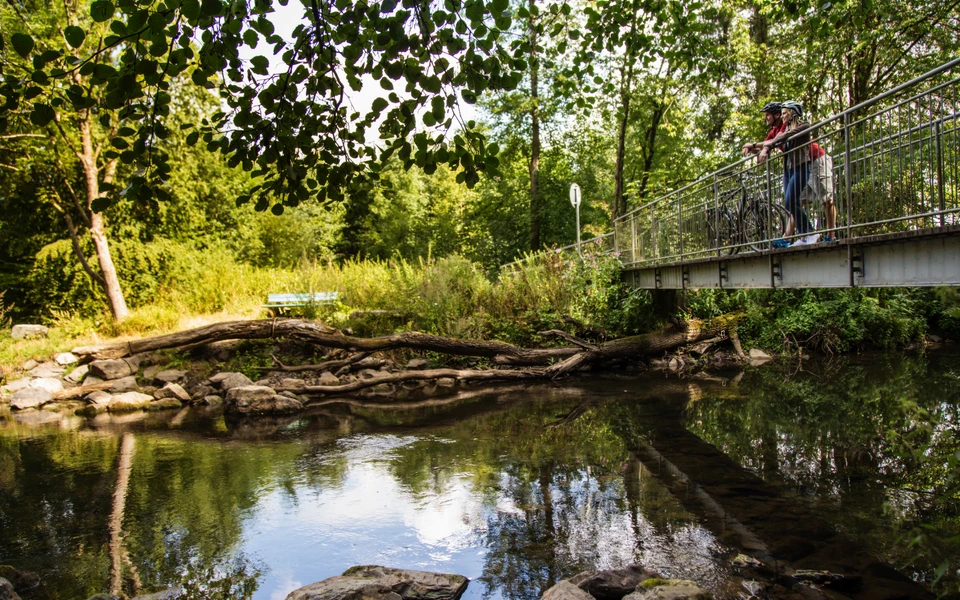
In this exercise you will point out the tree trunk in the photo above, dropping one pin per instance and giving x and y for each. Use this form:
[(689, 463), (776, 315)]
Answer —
[(535, 208), (626, 94), (111, 283)]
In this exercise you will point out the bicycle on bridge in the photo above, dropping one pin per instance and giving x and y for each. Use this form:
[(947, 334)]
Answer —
[(744, 217)]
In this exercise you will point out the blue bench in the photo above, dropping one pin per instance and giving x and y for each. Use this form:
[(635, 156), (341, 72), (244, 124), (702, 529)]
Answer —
[(277, 303)]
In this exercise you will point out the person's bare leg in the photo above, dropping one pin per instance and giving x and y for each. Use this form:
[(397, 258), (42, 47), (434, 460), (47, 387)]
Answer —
[(831, 210), (791, 225)]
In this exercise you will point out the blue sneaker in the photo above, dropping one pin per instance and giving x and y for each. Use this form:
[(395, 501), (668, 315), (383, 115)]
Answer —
[(827, 239), (781, 244)]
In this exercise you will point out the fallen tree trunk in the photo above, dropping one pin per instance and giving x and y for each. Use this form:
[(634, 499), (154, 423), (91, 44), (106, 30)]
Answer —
[(458, 374), (547, 362), (315, 333)]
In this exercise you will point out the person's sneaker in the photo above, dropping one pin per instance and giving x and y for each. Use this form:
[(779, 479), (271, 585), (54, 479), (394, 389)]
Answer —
[(828, 240), (813, 238), (781, 244), (799, 242)]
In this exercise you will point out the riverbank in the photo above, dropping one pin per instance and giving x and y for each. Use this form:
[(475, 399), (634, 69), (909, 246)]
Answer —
[(514, 486)]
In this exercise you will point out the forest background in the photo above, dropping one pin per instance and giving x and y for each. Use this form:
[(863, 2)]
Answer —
[(628, 99)]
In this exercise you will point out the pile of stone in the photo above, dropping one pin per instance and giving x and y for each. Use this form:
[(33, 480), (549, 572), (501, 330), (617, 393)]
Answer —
[(127, 384)]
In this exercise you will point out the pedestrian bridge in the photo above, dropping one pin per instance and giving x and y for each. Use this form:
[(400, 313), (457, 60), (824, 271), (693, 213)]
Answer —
[(896, 189)]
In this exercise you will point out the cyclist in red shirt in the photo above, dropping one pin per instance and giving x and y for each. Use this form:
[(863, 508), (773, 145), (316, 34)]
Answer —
[(771, 114)]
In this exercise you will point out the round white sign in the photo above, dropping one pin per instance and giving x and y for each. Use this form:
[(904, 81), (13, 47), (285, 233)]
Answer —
[(575, 195)]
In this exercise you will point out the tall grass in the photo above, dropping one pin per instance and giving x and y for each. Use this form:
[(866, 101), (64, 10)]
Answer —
[(450, 296)]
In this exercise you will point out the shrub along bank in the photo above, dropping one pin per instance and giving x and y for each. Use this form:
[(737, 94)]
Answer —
[(172, 285)]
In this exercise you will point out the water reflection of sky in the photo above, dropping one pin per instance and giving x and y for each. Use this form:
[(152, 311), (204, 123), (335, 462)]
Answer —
[(369, 517)]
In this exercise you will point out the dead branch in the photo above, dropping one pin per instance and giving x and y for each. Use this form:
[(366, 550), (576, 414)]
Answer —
[(570, 338), (429, 374), (328, 365)]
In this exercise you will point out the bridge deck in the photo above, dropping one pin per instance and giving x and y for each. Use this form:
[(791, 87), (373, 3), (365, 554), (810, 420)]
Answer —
[(920, 257)]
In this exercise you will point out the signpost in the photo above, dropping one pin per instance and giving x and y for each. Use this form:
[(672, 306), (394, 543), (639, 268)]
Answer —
[(575, 201)]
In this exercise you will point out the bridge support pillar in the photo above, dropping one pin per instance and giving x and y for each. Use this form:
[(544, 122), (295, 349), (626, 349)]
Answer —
[(667, 303)]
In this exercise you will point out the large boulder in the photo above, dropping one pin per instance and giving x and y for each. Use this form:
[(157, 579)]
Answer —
[(110, 369), (15, 385), (565, 591), (22, 581), (51, 384), (231, 380), (47, 369), (129, 401), (172, 390), (612, 584), (669, 589), (30, 397), (77, 375), (125, 384), (383, 583), (25, 332), (170, 376), (260, 400), (6, 590)]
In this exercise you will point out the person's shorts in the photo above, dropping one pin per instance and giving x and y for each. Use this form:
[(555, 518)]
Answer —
[(820, 185)]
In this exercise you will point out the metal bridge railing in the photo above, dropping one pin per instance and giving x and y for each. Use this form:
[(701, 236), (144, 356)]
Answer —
[(602, 244), (896, 168)]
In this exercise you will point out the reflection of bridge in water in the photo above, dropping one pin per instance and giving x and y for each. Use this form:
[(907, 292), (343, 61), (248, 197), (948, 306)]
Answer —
[(896, 177), (774, 528)]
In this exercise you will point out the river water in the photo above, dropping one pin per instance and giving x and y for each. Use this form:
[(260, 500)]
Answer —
[(513, 487)]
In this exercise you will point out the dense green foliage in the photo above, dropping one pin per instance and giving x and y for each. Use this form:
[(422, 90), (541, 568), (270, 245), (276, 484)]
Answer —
[(632, 101)]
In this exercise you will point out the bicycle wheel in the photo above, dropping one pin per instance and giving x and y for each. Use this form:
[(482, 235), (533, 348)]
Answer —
[(753, 224), (722, 231)]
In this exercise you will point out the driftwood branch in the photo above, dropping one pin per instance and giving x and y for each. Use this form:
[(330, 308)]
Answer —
[(327, 365), (545, 363), (429, 374), (570, 338)]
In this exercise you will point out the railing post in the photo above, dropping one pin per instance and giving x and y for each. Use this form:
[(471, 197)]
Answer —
[(847, 175), (680, 223), (633, 238), (940, 184), (716, 216), (769, 206)]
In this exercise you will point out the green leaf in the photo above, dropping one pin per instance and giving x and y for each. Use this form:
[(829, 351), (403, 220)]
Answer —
[(388, 6), (101, 10), (378, 105), (22, 44), (41, 114), (74, 36), (211, 7), (277, 209), (119, 143), (192, 138), (100, 204)]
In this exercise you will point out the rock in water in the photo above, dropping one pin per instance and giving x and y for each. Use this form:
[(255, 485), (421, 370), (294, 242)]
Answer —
[(6, 590), (172, 390), (233, 380), (565, 591), (77, 375), (415, 364), (260, 400), (124, 384), (383, 583), (24, 332), (613, 584), (30, 398), (669, 589), (129, 401)]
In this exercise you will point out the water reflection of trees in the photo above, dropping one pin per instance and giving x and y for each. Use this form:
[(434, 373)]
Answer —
[(869, 440)]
